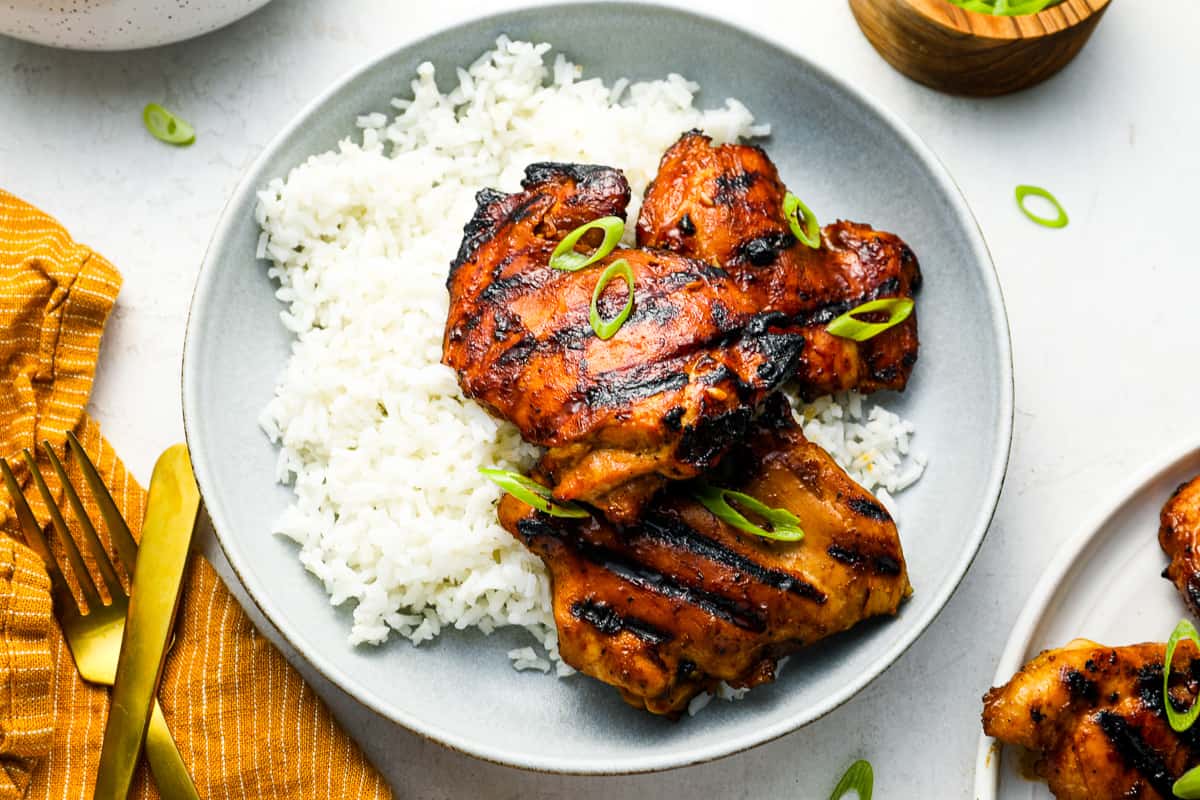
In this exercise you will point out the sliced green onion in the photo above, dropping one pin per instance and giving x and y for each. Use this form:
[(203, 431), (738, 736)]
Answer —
[(1005, 8), (860, 779), (1024, 191), (847, 327), (166, 127), (1188, 785), (606, 329), (532, 493), (785, 526), (1179, 722), (564, 256), (810, 234)]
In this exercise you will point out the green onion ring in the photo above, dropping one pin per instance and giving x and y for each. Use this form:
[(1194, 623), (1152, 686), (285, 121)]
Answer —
[(847, 327), (166, 127), (785, 526), (1179, 722), (1024, 191), (564, 256), (606, 329), (810, 234), (1188, 785), (860, 778), (532, 493)]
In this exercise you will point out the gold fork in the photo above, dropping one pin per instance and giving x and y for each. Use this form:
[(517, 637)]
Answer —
[(94, 634)]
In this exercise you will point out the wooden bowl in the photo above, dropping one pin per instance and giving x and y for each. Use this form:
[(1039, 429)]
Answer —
[(963, 52)]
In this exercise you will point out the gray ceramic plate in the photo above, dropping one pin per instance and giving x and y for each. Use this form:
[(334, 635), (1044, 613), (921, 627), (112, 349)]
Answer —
[(854, 160)]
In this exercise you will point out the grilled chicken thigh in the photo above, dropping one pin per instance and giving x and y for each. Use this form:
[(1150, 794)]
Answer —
[(1179, 537), (666, 607), (724, 206), (664, 398), (1095, 717)]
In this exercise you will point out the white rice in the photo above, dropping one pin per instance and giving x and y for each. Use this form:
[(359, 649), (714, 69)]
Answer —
[(375, 438)]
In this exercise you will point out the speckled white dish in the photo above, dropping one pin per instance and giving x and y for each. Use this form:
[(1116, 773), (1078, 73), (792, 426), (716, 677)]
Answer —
[(1104, 585), (117, 24), (854, 160)]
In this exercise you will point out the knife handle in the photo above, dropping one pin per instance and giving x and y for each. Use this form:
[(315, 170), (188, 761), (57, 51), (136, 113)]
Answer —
[(170, 773)]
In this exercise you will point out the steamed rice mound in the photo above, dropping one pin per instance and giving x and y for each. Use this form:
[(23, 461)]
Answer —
[(375, 438)]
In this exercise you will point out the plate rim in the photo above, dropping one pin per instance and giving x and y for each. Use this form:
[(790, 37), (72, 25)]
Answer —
[(1001, 428), (1020, 637)]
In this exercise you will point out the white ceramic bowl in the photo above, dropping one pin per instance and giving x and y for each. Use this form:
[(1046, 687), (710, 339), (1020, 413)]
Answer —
[(117, 24), (854, 159)]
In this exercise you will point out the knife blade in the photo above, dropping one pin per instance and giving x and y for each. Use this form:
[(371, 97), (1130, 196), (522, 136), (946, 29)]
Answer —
[(171, 511)]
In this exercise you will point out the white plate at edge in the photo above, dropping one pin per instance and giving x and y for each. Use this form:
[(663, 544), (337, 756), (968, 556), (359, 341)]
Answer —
[(1105, 585)]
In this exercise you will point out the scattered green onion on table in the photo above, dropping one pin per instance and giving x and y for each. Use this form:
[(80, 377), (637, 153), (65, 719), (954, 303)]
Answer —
[(532, 493), (802, 221), (1005, 8), (785, 526), (166, 127), (606, 329), (1059, 221), (848, 326), (859, 779), (564, 256)]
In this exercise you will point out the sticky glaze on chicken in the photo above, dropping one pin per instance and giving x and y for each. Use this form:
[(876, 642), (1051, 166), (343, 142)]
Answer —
[(664, 398), (1094, 715), (665, 608), (1179, 537), (724, 205)]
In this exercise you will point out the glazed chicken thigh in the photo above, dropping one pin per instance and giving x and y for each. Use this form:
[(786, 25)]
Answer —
[(666, 607), (653, 592), (1094, 715), (724, 205)]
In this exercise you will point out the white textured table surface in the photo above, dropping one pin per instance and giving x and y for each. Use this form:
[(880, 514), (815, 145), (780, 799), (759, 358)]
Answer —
[(1102, 313)]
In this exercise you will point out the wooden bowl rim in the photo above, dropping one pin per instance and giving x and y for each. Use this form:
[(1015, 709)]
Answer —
[(1049, 21)]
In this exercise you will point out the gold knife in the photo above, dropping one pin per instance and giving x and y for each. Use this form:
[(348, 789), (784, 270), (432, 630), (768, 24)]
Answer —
[(157, 578)]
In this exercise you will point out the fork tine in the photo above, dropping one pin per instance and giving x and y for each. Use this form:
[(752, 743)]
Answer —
[(90, 539), (33, 534), (82, 575), (118, 530), (64, 598)]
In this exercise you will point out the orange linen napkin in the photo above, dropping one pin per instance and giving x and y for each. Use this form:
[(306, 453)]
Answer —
[(246, 723)]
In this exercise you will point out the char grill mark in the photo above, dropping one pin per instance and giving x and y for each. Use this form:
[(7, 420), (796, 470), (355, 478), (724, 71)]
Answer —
[(1079, 687), (620, 390), (732, 603), (762, 251), (869, 508), (715, 605), (882, 564), (608, 621), (676, 534), (732, 187), (489, 209), (1136, 752), (647, 579), (704, 443)]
